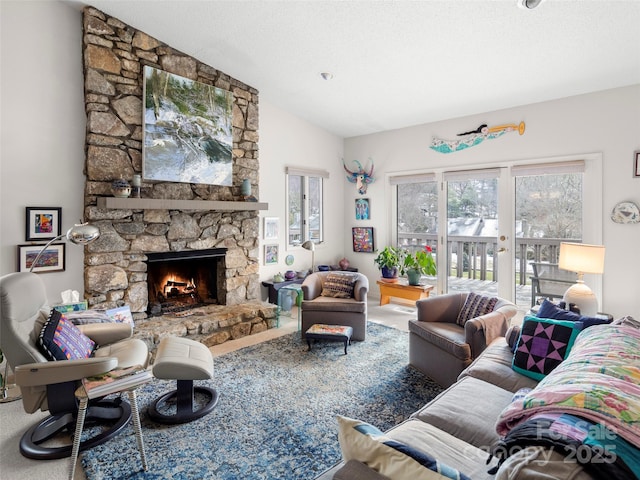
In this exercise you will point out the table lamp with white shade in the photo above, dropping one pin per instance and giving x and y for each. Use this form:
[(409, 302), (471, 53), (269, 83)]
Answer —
[(581, 258)]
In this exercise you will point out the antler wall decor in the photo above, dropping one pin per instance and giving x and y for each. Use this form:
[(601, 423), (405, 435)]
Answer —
[(360, 177)]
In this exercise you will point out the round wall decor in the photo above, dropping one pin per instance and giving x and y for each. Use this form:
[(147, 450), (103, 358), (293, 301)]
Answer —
[(289, 259), (626, 212)]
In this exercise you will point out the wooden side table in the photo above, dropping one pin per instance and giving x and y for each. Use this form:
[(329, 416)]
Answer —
[(402, 289)]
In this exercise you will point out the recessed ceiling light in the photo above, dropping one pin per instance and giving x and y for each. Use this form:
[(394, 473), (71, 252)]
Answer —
[(326, 75), (529, 4)]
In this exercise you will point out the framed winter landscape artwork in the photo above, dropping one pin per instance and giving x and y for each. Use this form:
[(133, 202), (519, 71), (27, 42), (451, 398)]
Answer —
[(187, 130)]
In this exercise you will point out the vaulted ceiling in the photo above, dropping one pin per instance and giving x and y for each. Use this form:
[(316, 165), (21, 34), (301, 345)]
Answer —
[(399, 63)]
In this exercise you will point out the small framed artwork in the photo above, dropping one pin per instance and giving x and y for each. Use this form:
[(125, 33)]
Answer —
[(43, 223), (51, 260), (362, 239), (362, 209), (270, 228), (270, 254), (636, 164)]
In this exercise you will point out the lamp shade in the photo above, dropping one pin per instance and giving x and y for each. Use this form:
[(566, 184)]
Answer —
[(83, 233), (309, 245), (581, 258), (80, 234)]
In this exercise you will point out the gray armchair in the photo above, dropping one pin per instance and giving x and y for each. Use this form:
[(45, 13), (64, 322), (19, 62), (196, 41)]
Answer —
[(350, 312), (440, 348), (51, 385)]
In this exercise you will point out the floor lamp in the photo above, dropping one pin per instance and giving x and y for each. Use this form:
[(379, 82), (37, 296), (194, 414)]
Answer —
[(581, 258), (309, 245), (80, 234)]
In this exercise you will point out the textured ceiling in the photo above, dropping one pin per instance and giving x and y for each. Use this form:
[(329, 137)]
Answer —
[(399, 63)]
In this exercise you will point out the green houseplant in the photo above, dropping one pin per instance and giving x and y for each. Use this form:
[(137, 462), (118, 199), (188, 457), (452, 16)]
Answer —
[(389, 260), (414, 265)]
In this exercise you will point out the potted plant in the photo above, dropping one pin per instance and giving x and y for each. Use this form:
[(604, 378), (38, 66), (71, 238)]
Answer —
[(389, 260), (415, 265)]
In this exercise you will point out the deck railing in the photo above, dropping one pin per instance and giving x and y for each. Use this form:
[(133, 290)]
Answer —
[(480, 254)]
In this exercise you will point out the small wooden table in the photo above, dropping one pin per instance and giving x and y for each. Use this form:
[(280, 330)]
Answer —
[(402, 289)]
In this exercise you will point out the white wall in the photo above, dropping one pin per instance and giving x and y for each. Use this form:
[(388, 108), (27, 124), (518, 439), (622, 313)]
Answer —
[(42, 157), (606, 123), (43, 127), (286, 140)]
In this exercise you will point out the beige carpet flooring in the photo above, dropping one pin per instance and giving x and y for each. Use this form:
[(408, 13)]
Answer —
[(14, 421)]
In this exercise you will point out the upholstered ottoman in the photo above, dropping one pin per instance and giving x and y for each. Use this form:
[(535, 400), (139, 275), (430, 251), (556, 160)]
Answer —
[(185, 361), (332, 333)]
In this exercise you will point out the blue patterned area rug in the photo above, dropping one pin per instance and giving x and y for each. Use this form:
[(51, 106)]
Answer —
[(275, 418)]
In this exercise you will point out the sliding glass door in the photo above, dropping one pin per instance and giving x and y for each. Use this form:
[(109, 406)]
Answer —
[(489, 228)]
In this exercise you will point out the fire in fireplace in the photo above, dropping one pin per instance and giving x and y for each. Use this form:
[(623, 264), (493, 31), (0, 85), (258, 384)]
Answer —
[(178, 281)]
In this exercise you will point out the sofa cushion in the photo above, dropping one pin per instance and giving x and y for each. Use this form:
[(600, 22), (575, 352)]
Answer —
[(474, 306), (60, 339), (467, 410), (449, 337), (450, 450), (339, 285), (392, 458), (543, 345), (329, 304), (494, 366)]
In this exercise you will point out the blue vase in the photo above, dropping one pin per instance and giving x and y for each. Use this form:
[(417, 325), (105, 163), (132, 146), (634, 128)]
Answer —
[(245, 189)]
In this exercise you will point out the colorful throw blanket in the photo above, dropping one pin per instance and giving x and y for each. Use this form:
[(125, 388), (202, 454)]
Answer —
[(598, 382)]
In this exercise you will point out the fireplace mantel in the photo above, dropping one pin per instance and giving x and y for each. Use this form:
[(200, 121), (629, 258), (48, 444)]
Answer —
[(167, 204)]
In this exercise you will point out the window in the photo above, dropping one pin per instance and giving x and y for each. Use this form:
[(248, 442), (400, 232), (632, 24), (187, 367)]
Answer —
[(417, 211), (304, 205)]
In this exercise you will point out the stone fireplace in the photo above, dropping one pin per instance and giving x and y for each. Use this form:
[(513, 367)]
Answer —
[(178, 281), (170, 219)]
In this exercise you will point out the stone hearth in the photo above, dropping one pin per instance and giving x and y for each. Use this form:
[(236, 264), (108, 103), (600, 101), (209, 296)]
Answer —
[(210, 325)]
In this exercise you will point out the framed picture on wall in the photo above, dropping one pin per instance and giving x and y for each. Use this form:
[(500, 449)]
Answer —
[(636, 164), (43, 223), (362, 209), (189, 144), (51, 260), (270, 228), (270, 254), (362, 239)]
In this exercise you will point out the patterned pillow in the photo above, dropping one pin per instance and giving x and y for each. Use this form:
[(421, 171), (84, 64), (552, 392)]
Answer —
[(543, 345), (365, 443), (474, 306), (60, 339), (339, 285)]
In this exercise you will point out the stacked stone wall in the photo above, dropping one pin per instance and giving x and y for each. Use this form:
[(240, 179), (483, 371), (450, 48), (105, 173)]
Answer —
[(114, 55)]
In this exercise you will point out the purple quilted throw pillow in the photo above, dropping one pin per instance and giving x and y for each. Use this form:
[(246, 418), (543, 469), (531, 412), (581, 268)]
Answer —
[(543, 345)]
